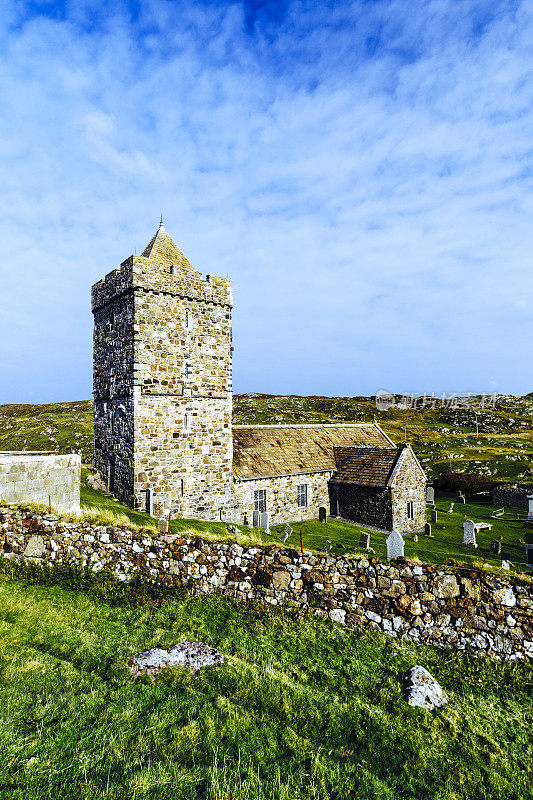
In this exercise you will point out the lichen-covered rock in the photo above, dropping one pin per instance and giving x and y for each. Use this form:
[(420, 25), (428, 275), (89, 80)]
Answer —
[(422, 690), (191, 655), (35, 547)]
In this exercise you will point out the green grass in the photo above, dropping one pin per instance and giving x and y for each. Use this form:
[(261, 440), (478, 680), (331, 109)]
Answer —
[(302, 708)]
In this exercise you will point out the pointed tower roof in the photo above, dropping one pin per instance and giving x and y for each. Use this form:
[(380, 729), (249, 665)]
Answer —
[(162, 247)]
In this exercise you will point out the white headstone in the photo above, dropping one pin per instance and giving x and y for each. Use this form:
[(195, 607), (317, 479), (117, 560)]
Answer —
[(451, 508), (469, 533), (430, 494), (264, 522), (395, 545), (506, 564), (530, 511)]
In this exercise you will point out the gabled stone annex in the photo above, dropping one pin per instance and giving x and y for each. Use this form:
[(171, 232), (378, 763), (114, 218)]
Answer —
[(162, 410)]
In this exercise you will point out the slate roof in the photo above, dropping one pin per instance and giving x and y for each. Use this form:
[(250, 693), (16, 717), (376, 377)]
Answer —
[(366, 466), (162, 247), (264, 451)]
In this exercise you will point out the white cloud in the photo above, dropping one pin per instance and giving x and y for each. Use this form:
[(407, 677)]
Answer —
[(370, 199)]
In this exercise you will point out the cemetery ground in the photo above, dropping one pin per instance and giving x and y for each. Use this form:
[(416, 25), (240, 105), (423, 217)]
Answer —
[(300, 708)]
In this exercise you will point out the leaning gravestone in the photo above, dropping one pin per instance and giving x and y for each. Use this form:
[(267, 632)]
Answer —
[(364, 541), (434, 516), (430, 494), (395, 545), (495, 547), (287, 531), (265, 522), (451, 508), (469, 533), (255, 519), (322, 514)]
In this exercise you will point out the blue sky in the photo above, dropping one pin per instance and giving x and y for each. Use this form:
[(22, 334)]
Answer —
[(362, 171)]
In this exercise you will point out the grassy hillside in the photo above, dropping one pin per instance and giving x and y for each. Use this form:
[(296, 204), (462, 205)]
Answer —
[(301, 708), (442, 438)]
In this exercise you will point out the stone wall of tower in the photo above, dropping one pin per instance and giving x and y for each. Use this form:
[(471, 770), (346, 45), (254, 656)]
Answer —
[(183, 385), (163, 382), (113, 366)]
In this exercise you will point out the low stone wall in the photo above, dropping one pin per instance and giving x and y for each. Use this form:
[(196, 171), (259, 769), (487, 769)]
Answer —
[(34, 477), (512, 495), (461, 608)]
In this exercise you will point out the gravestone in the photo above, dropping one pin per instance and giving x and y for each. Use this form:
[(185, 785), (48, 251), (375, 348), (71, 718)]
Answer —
[(469, 533), (495, 547), (322, 514), (451, 508), (246, 522), (264, 522), (427, 530), (529, 554), (162, 525), (434, 516), (506, 564), (364, 541), (461, 498), (430, 494), (395, 545), (255, 519), (287, 531), (530, 510), (415, 537)]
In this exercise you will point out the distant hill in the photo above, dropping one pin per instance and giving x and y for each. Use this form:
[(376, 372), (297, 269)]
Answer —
[(441, 437)]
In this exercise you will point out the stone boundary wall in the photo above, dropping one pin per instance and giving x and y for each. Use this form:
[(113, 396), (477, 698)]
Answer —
[(488, 614), (33, 477), (512, 494)]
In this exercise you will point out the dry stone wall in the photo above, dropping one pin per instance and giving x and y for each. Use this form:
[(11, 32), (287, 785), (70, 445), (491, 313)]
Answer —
[(512, 495), (466, 609)]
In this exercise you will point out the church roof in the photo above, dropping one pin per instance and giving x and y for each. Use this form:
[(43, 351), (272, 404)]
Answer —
[(366, 466), (263, 451), (162, 247)]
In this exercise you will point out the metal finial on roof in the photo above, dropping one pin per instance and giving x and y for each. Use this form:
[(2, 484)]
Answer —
[(161, 222)]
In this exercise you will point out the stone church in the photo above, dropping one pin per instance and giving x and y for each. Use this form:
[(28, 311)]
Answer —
[(164, 439)]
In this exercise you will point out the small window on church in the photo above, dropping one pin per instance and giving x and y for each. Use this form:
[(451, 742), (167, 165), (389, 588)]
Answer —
[(187, 320), (171, 269), (182, 486), (410, 510), (260, 503), (302, 495), (187, 370), (186, 422)]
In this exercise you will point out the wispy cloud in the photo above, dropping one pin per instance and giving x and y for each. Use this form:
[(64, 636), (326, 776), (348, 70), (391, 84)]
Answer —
[(364, 175)]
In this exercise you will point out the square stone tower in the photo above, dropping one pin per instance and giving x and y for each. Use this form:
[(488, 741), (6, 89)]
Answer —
[(163, 383)]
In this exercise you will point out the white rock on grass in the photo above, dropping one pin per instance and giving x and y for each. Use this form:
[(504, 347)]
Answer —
[(422, 690), (190, 655)]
